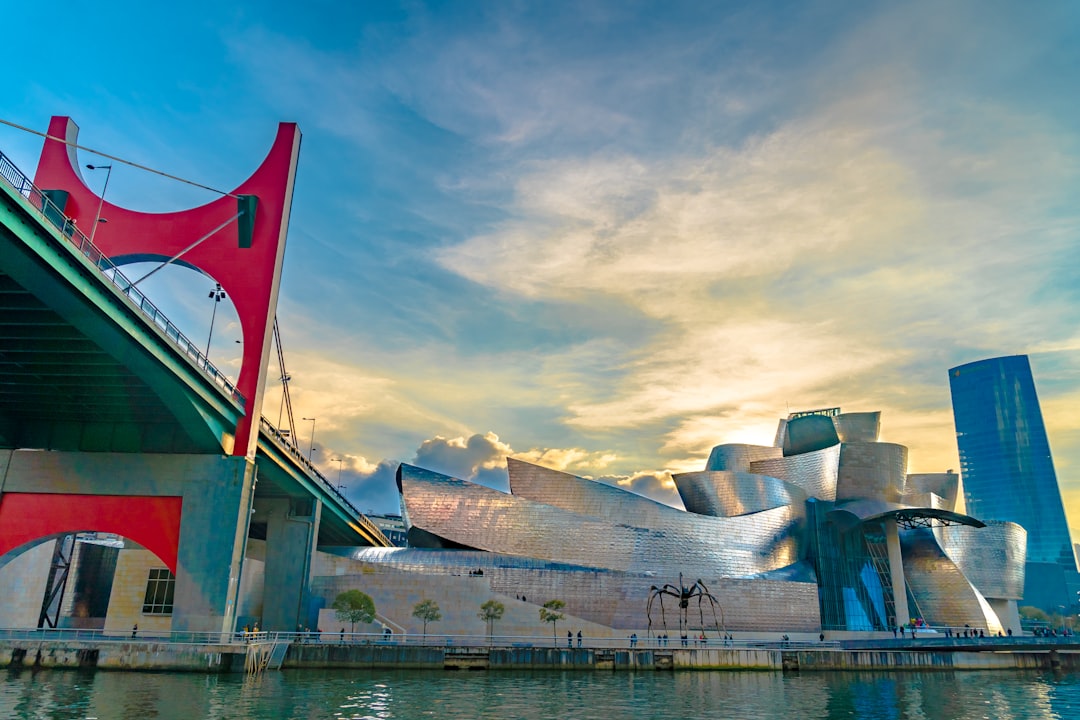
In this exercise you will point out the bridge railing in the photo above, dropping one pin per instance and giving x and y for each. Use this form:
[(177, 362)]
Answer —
[(286, 444), (52, 214)]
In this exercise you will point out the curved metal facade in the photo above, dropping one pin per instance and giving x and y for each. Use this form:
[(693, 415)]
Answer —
[(479, 517), (858, 427), (737, 457), (871, 470), (992, 557), (729, 494), (758, 526), (814, 472), (941, 589)]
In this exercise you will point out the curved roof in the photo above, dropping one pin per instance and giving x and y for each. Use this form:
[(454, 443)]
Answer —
[(905, 515)]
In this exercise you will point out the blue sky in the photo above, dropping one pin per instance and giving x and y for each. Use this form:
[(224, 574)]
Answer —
[(606, 236)]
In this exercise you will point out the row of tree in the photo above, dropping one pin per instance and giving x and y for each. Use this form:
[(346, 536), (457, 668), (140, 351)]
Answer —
[(354, 606)]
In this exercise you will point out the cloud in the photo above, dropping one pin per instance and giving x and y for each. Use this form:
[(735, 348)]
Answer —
[(479, 458)]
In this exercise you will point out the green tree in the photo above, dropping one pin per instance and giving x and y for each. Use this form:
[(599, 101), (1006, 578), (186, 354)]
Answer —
[(491, 611), (550, 612), (355, 607), (428, 611)]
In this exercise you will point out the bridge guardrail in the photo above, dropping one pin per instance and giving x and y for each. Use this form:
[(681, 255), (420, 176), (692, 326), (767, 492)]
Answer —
[(294, 452), (51, 213)]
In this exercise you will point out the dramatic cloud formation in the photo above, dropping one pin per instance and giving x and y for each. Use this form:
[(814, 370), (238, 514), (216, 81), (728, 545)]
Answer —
[(605, 237)]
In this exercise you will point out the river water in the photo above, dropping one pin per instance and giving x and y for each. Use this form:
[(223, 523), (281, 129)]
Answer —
[(339, 694)]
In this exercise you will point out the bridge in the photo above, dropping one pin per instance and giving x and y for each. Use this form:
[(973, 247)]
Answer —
[(112, 420)]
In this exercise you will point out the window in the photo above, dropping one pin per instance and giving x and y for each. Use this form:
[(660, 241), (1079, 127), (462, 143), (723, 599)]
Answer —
[(159, 592)]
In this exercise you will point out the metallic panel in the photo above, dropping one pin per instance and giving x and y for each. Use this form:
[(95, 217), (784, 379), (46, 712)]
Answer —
[(738, 456), (945, 485), (729, 494), (992, 557), (588, 497), (858, 427), (943, 595), (809, 433), (871, 470), (479, 517), (815, 472)]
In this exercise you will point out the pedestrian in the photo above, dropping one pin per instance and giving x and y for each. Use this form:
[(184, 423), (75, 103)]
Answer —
[(134, 630), (579, 638), (1010, 632), (894, 632), (821, 637), (342, 634), (569, 639)]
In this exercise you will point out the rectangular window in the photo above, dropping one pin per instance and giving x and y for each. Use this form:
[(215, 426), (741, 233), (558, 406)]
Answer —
[(159, 592)]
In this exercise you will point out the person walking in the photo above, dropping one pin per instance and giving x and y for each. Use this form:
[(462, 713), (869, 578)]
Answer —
[(579, 638)]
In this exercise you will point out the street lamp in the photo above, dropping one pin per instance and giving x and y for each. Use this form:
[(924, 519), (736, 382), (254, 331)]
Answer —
[(217, 295), (311, 447), (101, 201), (338, 461)]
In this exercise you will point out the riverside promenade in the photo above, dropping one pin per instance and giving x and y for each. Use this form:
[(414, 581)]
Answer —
[(254, 652)]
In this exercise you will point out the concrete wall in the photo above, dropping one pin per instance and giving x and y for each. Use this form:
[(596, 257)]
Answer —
[(129, 590), (23, 581), (216, 496)]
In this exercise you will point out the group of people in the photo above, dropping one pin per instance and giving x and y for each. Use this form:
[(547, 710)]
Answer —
[(570, 639)]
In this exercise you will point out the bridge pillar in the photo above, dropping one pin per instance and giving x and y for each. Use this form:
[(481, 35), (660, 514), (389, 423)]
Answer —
[(68, 492), (292, 531)]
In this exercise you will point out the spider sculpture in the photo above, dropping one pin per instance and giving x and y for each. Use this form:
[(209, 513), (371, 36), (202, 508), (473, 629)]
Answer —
[(684, 595)]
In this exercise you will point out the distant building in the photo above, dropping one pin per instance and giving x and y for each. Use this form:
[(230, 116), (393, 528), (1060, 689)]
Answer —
[(392, 526), (1008, 473)]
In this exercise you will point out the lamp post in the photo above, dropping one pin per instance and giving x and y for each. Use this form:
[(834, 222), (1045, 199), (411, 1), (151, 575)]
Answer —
[(311, 447), (217, 295), (338, 461), (101, 201)]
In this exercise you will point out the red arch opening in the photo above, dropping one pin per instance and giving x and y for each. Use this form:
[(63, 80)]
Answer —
[(153, 522)]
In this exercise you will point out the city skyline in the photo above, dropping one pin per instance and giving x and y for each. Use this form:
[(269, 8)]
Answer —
[(606, 239)]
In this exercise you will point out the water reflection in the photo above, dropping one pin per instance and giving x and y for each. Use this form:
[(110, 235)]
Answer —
[(341, 695)]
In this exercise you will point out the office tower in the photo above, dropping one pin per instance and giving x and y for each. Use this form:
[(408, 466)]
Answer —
[(1008, 473)]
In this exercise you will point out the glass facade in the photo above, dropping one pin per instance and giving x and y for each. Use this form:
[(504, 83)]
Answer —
[(1005, 461), (1007, 470)]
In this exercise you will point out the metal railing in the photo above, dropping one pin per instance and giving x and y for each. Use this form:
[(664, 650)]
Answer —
[(286, 444), (53, 215), (431, 639)]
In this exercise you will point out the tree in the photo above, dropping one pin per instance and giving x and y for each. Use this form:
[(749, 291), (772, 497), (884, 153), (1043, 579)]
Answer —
[(550, 613), (355, 607), (491, 611), (428, 611)]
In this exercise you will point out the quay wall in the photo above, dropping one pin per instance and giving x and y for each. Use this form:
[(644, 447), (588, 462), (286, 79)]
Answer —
[(165, 656), (138, 655)]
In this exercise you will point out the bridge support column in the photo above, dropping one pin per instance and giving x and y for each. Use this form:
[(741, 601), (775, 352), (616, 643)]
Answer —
[(292, 530), (213, 534), (139, 496), (896, 571)]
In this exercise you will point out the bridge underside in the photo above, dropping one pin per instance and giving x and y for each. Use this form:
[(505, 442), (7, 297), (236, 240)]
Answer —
[(98, 400)]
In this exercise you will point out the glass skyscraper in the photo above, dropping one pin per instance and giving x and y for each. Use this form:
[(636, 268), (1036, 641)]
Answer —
[(1007, 472)]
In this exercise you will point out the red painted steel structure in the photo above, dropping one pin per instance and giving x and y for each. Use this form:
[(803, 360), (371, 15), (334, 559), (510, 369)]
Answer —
[(249, 275), (153, 522)]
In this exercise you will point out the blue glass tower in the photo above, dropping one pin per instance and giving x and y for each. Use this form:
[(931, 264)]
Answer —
[(1007, 470)]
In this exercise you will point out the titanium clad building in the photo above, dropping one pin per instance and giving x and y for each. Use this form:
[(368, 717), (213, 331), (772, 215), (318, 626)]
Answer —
[(1007, 470)]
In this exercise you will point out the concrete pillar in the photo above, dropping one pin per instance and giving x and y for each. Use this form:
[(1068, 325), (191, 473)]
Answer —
[(896, 571), (292, 531), (215, 495), (213, 533)]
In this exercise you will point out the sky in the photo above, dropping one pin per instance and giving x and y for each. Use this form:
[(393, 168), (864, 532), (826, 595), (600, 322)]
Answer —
[(605, 236)]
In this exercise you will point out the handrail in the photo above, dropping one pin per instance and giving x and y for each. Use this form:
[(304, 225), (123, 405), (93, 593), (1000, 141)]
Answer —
[(294, 452), (51, 213)]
